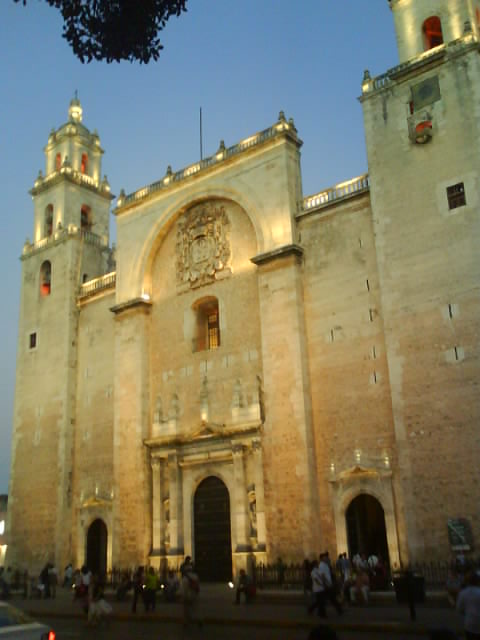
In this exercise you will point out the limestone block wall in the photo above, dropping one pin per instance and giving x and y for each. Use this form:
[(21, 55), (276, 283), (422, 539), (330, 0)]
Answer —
[(40, 483), (429, 273), (291, 506), (352, 418), (93, 445), (191, 384)]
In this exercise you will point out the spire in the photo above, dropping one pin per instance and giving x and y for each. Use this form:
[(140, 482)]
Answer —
[(75, 110)]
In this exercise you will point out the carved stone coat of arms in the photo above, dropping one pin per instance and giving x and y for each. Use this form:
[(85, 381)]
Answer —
[(203, 246)]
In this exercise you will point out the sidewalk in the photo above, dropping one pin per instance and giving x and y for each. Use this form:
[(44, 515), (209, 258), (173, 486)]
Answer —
[(272, 609)]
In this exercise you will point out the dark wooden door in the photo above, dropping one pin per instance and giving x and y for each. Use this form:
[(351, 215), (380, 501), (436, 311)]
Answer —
[(97, 547), (213, 545)]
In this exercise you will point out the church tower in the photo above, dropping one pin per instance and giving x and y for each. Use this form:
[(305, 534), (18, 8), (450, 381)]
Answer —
[(70, 245), (422, 127)]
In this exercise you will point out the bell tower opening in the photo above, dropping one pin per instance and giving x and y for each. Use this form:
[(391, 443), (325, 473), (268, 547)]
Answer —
[(432, 33)]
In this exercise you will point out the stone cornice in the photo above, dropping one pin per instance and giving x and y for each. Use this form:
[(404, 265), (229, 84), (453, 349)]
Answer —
[(135, 303), (75, 177), (280, 252)]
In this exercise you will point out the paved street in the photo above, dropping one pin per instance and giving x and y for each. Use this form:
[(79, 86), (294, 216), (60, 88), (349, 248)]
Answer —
[(137, 630), (279, 615)]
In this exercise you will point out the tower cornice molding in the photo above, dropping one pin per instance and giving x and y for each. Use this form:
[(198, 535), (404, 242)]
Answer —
[(75, 177)]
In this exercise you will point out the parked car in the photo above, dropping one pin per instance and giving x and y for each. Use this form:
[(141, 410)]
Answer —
[(16, 624)]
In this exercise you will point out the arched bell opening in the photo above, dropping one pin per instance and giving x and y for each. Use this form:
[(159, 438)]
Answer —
[(432, 33)]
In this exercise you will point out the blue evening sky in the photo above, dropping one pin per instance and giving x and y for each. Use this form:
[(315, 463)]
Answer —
[(242, 61)]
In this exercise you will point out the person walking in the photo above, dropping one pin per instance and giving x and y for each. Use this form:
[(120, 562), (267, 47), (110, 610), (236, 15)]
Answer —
[(190, 593), (323, 588), (468, 605), (151, 586), (137, 587)]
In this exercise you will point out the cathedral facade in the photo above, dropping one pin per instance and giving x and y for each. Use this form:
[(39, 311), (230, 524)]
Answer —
[(252, 373)]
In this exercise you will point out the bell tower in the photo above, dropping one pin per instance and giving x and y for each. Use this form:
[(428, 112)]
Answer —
[(422, 25), (422, 129), (71, 204)]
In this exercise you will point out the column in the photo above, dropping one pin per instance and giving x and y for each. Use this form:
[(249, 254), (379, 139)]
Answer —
[(240, 513), (259, 494), (156, 506), (176, 520)]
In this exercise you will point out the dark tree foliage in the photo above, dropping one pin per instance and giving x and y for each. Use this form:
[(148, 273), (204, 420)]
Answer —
[(115, 29)]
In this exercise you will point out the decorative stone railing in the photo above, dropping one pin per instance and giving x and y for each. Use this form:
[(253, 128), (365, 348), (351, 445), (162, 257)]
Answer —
[(337, 192), (222, 154), (379, 82), (76, 176), (72, 230), (96, 285)]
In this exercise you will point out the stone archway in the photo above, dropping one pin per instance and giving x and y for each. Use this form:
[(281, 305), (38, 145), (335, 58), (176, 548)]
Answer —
[(366, 530), (212, 532), (97, 537)]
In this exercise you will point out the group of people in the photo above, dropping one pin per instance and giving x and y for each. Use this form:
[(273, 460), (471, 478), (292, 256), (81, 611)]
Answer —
[(347, 581)]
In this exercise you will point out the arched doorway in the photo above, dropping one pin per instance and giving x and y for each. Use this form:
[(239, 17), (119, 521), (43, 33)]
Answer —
[(97, 547), (366, 531), (213, 546)]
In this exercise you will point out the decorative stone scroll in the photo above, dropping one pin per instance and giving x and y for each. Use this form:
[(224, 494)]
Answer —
[(203, 246)]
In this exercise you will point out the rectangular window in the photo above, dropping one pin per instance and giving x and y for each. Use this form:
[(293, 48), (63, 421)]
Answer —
[(32, 340), (425, 94), (456, 196), (213, 331)]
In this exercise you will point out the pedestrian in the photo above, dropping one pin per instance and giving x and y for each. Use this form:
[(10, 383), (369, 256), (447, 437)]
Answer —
[(190, 592), (53, 580), (68, 576), (323, 588), (245, 586), (151, 586), (138, 585), (172, 585), (45, 581), (468, 605)]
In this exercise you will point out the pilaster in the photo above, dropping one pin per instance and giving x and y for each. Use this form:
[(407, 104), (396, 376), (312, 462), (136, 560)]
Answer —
[(291, 498), (240, 514)]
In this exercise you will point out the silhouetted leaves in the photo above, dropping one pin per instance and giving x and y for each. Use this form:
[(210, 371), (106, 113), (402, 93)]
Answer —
[(115, 29)]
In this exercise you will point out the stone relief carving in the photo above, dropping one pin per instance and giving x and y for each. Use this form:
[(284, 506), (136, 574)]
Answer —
[(203, 245)]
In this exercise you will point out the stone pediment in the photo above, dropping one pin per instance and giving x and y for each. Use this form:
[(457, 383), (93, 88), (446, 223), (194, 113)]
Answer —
[(95, 502), (207, 431), (359, 472)]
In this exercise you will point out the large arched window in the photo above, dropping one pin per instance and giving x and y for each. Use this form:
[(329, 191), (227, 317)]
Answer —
[(45, 278), (84, 163), (86, 218), (207, 335), (432, 32), (48, 221)]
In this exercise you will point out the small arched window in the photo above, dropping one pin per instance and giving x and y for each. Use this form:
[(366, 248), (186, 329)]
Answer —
[(85, 218), (207, 324), (45, 278), (432, 32), (58, 162), (84, 163), (48, 222)]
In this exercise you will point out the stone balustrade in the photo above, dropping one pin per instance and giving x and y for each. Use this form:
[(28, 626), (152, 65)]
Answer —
[(223, 153), (98, 284), (337, 192), (386, 79), (89, 237)]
